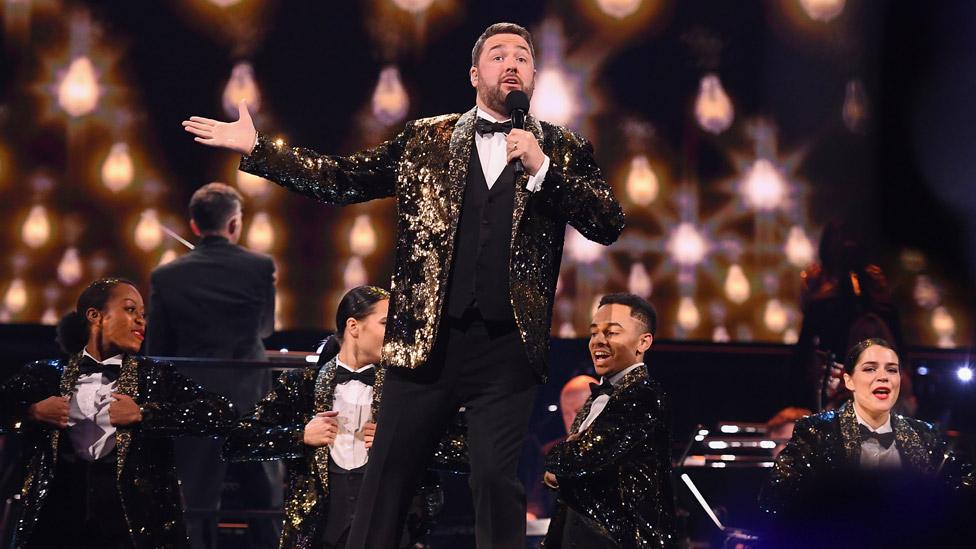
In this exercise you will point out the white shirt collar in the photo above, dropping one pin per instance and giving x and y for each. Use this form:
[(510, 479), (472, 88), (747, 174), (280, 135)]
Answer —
[(615, 378), (346, 366), (886, 428), (488, 117), (117, 359)]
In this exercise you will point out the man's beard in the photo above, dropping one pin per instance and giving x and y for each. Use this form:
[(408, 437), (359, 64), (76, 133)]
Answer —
[(494, 97)]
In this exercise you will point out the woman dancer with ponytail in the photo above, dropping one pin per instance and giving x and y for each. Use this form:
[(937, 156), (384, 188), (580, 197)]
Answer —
[(98, 431), (319, 420)]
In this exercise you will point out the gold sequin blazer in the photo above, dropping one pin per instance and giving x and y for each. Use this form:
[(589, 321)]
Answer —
[(617, 473), (828, 443), (172, 405), (425, 169)]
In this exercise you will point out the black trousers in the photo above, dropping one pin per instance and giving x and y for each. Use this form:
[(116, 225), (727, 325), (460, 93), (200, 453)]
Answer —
[(476, 364), (580, 532)]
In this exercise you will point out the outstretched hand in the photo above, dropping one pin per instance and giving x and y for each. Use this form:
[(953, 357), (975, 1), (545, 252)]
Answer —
[(239, 136)]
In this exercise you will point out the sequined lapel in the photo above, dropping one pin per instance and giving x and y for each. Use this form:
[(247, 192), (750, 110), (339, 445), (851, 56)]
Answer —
[(324, 395), (69, 378), (633, 376), (128, 384), (909, 445), (581, 415), (850, 434), (377, 391), (521, 193), (462, 140)]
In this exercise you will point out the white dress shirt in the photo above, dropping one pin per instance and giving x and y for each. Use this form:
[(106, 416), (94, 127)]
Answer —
[(493, 153), (89, 428), (873, 455), (600, 402), (352, 400)]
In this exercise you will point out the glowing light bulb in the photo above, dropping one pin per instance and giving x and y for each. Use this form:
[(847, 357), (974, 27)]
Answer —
[(553, 99), (252, 185), (790, 336), (798, 248), (763, 187), (713, 108), (69, 269), (925, 294), (855, 111), (50, 317), (687, 245), (390, 100), (16, 298), (721, 335), (581, 249), (618, 8), (78, 91), (37, 227), (148, 232), (168, 255), (822, 10), (260, 236), (354, 274), (241, 85), (566, 330), (638, 281), (942, 322), (413, 6), (362, 236), (736, 285), (642, 184), (117, 169), (224, 3), (774, 316), (688, 316)]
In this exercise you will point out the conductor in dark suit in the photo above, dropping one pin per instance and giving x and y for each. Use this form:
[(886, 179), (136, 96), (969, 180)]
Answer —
[(217, 302)]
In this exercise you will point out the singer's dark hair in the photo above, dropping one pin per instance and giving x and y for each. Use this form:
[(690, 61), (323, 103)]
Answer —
[(640, 308), (855, 352), (500, 28), (72, 330), (212, 205), (358, 303)]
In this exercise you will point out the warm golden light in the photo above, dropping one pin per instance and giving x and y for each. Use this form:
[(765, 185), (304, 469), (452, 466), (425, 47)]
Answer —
[(413, 6), (721, 335), (619, 8), (168, 255), (855, 111), (252, 185), (390, 100), (37, 228), (798, 248), (241, 85), (736, 285), (362, 237), (790, 336), (69, 268), (78, 91), (822, 10), (117, 170), (639, 281), (713, 108), (642, 184), (580, 249), (566, 330), (687, 245), (942, 322), (763, 187), (688, 316), (553, 99), (925, 293), (224, 3), (15, 299), (148, 232), (774, 316), (260, 236), (50, 317), (354, 274)]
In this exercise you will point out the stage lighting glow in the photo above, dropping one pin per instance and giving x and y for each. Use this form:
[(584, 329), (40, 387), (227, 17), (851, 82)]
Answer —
[(688, 316), (390, 100), (354, 274), (69, 268), (241, 85), (260, 236), (763, 187), (942, 322), (566, 330), (413, 6), (822, 10), (721, 335), (37, 228), (78, 90), (49, 317), (552, 407), (554, 99), (687, 245), (713, 108), (798, 248), (736, 285), (922, 371), (619, 8), (252, 185), (790, 336), (964, 374), (774, 316), (117, 169), (168, 255), (224, 3), (148, 232), (642, 184), (639, 281), (15, 299), (362, 236), (925, 293), (580, 249), (855, 110)]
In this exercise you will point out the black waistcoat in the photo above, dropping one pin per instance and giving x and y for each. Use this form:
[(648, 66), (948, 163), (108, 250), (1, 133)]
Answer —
[(479, 275)]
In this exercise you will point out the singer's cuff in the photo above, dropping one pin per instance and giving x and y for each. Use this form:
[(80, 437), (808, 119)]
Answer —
[(535, 181)]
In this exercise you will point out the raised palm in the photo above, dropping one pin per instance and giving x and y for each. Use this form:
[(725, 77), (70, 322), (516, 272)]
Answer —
[(237, 136)]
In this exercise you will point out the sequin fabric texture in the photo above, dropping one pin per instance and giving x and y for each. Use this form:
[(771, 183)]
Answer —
[(425, 169), (828, 443), (275, 430), (618, 472), (171, 405)]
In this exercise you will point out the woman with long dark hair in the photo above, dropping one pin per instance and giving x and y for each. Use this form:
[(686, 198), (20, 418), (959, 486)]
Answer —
[(98, 431)]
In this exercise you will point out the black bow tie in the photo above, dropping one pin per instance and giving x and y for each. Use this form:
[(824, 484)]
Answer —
[(486, 127), (602, 388), (343, 375), (89, 365), (884, 439)]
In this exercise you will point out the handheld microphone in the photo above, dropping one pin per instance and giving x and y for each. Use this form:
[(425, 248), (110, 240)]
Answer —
[(517, 104)]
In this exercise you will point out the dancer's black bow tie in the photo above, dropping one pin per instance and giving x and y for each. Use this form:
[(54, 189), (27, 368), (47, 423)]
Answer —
[(89, 365), (884, 439), (602, 388), (343, 375), (486, 127)]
